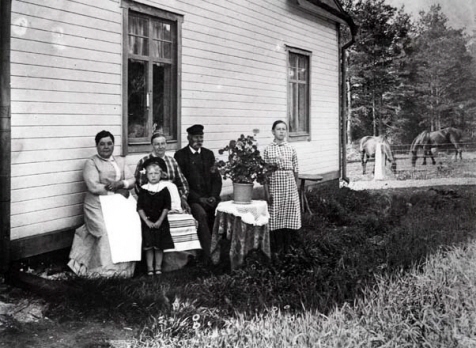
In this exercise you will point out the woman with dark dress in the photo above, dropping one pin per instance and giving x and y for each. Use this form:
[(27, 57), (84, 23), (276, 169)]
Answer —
[(153, 205)]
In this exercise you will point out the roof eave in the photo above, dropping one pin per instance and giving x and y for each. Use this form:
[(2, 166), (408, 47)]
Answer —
[(326, 11)]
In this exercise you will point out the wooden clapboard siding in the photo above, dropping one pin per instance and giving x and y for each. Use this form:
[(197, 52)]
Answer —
[(62, 131), (42, 72), (29, 144), (65, 63), (61, 40), (52, 167), (47, 226), (66, 86), (47, 203), (71, 12), (20, 82), (39, 18), (58, 120), (37, 217), (64, 108), (47, 191), (235, 98), (45, 156), (64, 97), (38, 180), (239, 87), (47, 49)]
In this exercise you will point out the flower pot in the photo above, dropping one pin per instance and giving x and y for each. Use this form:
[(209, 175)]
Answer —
[(242, 193)]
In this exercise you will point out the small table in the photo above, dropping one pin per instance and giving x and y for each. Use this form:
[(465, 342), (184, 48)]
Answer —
[(302, 190), (245, 225)]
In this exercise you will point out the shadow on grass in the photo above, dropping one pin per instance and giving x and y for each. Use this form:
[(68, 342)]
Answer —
[(352, 236)]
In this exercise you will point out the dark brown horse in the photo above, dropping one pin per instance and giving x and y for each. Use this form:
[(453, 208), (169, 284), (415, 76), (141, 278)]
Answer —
[(443, 139), (367, 148)]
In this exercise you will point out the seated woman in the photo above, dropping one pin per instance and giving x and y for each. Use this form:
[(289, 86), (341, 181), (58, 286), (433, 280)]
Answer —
[(109, 242), (182, 224)]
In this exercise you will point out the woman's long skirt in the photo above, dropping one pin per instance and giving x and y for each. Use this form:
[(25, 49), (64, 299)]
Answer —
[(285, 210)]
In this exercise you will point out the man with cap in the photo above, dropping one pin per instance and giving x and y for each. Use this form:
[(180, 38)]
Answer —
[(198, 166)]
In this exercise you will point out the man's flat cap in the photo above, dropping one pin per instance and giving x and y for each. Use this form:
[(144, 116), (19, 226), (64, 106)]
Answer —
[(196, 129)]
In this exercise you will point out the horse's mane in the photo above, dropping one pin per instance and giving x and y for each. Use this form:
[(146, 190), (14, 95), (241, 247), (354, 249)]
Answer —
[(452, 131)]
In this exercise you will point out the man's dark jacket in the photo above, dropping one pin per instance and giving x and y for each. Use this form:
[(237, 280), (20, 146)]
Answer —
[(205, 182)]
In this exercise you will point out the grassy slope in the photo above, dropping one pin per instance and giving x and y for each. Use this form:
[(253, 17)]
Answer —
[(358, 275), (434, 306)]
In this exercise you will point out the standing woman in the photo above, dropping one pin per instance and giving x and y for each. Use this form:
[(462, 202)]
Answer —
[(282, 191)]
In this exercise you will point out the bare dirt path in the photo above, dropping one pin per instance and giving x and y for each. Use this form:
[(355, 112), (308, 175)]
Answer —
[(385, 184)]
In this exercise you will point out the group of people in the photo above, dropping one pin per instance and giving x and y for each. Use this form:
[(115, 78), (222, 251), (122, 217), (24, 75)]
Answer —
[(117, 228)]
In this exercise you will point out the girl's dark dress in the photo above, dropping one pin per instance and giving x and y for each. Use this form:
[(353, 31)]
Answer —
[(153, 203)]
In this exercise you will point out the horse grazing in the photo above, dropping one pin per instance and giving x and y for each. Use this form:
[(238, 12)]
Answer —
[(367, 147), (445, 138)]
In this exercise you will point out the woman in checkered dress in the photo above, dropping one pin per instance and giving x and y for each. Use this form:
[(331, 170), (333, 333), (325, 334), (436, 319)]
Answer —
[(282, 191)]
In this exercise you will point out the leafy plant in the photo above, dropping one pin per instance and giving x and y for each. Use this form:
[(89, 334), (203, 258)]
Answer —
[(244, 163)]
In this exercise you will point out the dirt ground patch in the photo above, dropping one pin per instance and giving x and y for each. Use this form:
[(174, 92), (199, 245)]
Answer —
[(445, 172), (51, 334), (24, 323)]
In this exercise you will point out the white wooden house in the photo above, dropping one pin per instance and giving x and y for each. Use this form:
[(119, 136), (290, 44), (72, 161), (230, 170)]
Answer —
[(71, 68)]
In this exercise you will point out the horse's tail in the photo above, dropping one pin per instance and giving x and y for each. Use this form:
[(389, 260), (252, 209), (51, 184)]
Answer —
[(419, 141), (388, 150), (389, 155)]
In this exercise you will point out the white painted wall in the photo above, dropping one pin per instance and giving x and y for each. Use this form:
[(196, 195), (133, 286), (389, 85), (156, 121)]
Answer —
[(66, 86)]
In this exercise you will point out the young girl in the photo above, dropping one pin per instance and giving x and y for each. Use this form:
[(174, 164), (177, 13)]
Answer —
[(282, 191), (153, 205)]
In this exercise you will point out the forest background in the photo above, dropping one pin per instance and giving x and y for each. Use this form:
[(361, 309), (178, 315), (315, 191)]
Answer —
[(410, 70)]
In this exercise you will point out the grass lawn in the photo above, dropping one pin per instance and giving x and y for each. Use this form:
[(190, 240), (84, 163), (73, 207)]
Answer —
[(390, 268)]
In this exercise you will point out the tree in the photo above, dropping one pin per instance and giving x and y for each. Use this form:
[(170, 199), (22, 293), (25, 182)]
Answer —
[(374, 67), (442, 72)]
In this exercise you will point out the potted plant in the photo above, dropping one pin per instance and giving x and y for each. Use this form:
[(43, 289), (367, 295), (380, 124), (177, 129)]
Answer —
[(244, 166)]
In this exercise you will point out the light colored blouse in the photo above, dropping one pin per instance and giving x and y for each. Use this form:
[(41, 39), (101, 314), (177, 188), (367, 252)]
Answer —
[(99, 172)]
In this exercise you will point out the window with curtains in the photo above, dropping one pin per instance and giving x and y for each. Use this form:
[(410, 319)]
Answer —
[(151, 70), (298, 93)]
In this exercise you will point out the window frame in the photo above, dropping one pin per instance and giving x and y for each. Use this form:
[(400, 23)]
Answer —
[(303, 135), (177, 20)]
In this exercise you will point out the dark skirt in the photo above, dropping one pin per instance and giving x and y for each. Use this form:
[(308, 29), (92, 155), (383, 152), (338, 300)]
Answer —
[(157, 238)]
